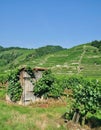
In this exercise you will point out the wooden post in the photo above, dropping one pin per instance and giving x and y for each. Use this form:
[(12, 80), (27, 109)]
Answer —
[(76, 116)]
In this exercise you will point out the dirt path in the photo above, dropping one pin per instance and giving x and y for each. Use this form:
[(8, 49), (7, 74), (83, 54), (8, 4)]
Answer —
[(81, 57)]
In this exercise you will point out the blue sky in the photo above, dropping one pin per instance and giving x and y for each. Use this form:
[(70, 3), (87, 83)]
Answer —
[(36, 23)]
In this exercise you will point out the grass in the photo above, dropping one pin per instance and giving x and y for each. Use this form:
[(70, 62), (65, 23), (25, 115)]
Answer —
[(13, 117), (37, 116), (44, 115), (2, 93)]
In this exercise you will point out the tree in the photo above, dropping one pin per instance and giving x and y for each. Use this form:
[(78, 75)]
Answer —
[(96, 44)]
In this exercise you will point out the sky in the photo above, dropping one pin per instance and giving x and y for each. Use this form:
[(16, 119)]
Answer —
[(37, 23)]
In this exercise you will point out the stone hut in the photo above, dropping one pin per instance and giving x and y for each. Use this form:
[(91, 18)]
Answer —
[(27, 84)]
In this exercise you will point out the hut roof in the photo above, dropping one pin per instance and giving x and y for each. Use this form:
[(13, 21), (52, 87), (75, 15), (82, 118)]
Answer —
[(39, 69)]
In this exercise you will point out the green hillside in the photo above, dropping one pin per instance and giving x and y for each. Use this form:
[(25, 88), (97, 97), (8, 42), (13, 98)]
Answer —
[(64, 95), (13, 57), (84, 59)]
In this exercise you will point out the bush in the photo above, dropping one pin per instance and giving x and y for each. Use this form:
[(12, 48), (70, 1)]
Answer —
[(48, 86)]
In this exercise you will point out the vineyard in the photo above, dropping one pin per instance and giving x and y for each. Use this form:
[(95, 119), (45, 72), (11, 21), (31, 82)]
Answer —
[(85, 95), (69, 92)]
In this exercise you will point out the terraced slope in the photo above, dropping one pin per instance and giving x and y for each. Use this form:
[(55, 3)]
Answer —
[(10, 58), (83, 60), (80, 60)]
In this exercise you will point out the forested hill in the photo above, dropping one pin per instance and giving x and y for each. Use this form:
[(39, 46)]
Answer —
[(84, 59)]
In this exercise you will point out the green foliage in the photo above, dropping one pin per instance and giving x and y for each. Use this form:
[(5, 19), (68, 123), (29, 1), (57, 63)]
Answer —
[(42, 87), (43, 51), (30, 72), (86, 95), (14, 89), (1, 48), (7, 58), (3, 78), (48, 86), (73, 81), (2, 92), (47, 50), (96, 44)]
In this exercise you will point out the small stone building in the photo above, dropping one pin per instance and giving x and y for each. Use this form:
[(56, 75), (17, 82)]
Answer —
[(27, 84)]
